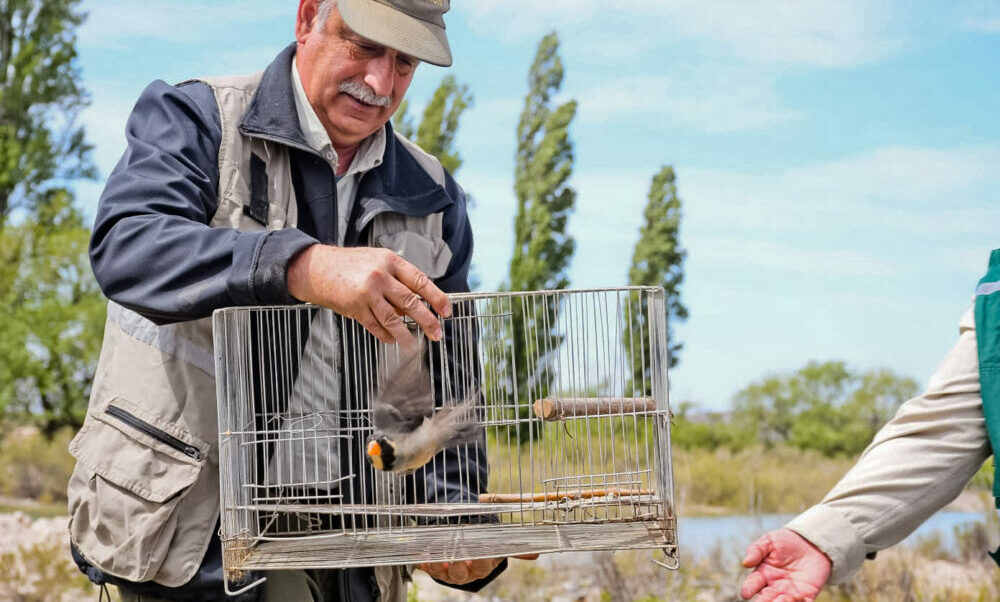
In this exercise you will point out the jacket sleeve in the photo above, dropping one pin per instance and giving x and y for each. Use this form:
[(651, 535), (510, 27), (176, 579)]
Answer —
[(152, 249), (917, 464)]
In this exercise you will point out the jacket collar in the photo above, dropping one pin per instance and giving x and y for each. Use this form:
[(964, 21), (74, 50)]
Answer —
[(272, 111)]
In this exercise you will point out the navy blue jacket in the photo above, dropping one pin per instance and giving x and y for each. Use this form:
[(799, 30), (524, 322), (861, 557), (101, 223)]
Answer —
[(153, 251)]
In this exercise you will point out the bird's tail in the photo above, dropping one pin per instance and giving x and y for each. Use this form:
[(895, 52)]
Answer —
[(458, 424)]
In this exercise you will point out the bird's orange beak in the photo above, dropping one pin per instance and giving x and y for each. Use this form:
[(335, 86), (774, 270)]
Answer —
[(374, 449)]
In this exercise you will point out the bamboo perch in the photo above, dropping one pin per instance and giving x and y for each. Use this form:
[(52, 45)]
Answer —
[(559, 408), (513, 498)]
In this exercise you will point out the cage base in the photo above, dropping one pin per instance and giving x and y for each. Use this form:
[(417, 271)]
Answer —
[(449, 544)]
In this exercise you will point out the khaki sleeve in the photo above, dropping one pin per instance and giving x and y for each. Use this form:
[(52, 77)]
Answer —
[(917, 464)]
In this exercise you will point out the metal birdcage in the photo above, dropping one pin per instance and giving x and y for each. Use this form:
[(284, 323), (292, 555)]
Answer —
[(570, 388)]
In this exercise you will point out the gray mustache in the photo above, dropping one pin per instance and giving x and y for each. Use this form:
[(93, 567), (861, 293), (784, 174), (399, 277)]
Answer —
[(364, 93)]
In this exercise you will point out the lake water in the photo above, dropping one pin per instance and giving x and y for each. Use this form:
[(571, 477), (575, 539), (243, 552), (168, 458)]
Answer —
[(704, 535)]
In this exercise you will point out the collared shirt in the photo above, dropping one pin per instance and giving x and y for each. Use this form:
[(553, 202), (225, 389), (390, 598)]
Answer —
[(369, 155)]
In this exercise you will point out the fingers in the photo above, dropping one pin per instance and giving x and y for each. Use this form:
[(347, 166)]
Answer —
[(392, 323), (479, 569), (758, 551), (754, 582), (419, 283), (460, 572), (769, 595), (437, 570), (408, 303), (527, 557), (376, 287), (370, 323)]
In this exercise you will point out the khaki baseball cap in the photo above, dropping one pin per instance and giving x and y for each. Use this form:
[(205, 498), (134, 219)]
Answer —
[(413, 27)]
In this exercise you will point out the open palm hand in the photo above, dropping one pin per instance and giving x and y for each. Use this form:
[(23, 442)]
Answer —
[(787, 568)]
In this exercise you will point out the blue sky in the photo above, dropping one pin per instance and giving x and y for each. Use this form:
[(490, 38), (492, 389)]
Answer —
[(838, 161)]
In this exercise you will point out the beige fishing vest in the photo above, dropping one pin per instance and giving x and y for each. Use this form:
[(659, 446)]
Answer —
[(144, 495)]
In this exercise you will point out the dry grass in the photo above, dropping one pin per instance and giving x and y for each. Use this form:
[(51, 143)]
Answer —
[(752, 480), (925, 572), (32, 467)]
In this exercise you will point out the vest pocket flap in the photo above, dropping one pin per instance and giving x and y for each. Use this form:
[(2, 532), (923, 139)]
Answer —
[(123, 445), (430, 256)]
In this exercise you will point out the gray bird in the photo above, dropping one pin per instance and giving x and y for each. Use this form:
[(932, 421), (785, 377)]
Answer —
[(408, 431)]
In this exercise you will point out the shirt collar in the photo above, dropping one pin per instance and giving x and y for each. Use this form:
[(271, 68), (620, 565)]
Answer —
[(370, 152)]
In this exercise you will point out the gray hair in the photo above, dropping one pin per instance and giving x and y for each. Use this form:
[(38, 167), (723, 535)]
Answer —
[(323, 12)]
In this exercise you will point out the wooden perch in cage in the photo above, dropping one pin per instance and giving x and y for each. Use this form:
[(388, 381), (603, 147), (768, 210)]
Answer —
[(559, 408), (514, 498)]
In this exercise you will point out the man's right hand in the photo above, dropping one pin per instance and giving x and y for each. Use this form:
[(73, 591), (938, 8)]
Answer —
[(374, 286), (787, 568)]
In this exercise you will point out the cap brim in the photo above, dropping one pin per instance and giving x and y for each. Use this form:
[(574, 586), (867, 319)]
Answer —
[(397, 30)]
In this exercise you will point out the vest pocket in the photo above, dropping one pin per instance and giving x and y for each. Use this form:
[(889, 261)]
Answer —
[(132, 471), (430, 256)]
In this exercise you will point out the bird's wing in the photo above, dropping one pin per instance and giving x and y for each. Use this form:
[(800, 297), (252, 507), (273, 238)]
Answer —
[(458, 424), (405, 397)]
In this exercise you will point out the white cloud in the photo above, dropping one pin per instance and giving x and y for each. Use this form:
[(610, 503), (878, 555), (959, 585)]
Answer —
[(984, 25), (112, 23), (908, 176), (516, 20), (774, 255), (982, 16), (810, 33), (709, 100), (893, 210)]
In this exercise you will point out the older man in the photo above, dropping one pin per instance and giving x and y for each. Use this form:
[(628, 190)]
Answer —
[(274, 188)]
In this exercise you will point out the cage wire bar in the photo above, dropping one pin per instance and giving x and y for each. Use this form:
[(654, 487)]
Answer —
[(571, 390)]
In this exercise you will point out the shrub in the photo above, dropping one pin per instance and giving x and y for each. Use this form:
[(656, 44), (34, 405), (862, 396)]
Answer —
[(34, 467)]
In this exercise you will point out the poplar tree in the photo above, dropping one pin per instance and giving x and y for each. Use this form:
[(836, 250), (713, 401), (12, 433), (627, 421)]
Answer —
[(439, 122), (544, 163), (402, 121), (657, 260), (542, 246), (40, 101)]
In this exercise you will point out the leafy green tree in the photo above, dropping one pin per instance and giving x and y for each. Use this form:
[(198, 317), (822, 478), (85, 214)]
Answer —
[(542, 246), (40, 100), (52, 309), (402, 121), (658, 260), (439, 123), (692, 429), (53, 315), (823, 406)]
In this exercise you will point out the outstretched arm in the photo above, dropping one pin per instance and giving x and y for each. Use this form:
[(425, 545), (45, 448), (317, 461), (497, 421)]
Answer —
[(917, 464)]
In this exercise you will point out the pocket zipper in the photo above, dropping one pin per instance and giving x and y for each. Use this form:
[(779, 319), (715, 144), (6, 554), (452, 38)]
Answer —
[(148, 429)]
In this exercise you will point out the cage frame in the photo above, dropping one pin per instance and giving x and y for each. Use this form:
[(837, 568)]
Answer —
[(245, 552)]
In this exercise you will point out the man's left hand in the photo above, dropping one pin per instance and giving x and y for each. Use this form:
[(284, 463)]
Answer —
[(465, 571)]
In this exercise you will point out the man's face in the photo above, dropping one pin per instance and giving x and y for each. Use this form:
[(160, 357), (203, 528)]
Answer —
[(353, 84)]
